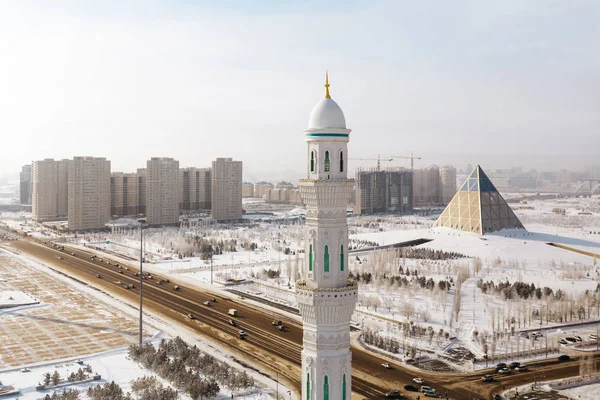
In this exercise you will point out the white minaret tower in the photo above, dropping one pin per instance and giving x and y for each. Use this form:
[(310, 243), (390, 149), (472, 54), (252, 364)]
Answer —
[(326, 298)]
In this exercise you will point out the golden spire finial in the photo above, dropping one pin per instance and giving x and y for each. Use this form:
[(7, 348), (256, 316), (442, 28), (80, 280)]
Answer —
[(327, 96)]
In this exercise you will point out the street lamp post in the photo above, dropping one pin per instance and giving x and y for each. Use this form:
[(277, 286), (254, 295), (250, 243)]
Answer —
[(141, 278)]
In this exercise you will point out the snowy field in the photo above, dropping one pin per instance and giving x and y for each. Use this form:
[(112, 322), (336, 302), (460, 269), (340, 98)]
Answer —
[(74, 321)]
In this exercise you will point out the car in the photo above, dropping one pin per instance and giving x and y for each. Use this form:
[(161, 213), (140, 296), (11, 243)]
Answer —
[(119, 283), (431, 394), (487, 378), (505, 371), (242, 333), (578, 338), (232, 322), (121, 272), (393, 394), (420, 381), (98, 276), (593, 336), (500, 366), (73, 254), (563, 342), (168, 281), (191, 316), (386, 365), (522, 368), (411, 388), (60, 258), (570, 339), (426, 388), (25, 369), (514, 365), (563, 357), (176, 288), (213, 300), (206, 303)]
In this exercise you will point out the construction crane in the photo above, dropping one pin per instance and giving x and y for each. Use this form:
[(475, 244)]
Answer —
[(378, 159), (412, 160)]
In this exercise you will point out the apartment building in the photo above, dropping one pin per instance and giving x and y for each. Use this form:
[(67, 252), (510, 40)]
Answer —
[(162, 191), (427, 188), (124, 194), (226, 189), (389, 190), (88, 193), (447, 183), (48, 189), (194, 189), (247, 189), (25, 184)]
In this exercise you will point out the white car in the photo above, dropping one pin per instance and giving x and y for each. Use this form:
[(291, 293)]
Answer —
[(420, 381), (386, 365), (593, 336)]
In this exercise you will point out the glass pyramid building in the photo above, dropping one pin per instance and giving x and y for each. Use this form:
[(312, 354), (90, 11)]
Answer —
[(477, 207)]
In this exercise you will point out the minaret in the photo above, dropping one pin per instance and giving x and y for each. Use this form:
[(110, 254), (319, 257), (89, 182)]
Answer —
[(326, 297)]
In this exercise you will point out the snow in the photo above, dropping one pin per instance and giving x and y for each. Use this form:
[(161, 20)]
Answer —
[(112, 366), (14, 298), (158, 326)]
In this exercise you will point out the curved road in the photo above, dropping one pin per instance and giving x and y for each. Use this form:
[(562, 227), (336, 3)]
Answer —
[(265, 346)]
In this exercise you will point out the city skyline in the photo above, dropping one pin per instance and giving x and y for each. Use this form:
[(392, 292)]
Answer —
[(500, 83)]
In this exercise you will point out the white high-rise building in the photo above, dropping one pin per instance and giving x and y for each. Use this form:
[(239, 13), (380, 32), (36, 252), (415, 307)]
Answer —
[(162, 191), (226, 189), (49, 189), (447, 183), (88, 193), (326, 297)]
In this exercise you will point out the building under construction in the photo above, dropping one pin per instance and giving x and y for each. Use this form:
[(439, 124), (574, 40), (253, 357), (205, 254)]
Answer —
[(379, 191)]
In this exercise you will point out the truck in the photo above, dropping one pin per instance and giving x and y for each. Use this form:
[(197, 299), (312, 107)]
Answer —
[(232, 312)]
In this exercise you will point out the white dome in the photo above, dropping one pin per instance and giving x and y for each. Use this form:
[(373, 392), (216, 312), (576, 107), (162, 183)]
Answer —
[(327, 114)]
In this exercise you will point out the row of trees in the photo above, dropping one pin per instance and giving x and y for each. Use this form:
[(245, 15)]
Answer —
[(187, 367)]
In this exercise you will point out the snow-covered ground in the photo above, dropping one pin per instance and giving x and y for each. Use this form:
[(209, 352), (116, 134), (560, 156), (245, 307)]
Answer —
[(14, 298), (112, 366)]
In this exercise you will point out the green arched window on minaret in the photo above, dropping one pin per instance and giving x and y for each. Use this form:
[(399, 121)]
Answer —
[(341, 161), (344, 387), (342, 258), (326, 388), (327, 162), (307, 386), (312, 161), (326, 259), (310, 257)]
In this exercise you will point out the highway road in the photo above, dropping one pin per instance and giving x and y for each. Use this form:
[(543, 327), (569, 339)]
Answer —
[(265, 347)]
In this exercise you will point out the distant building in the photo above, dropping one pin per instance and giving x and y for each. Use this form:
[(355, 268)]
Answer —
[(261, 188), (25, 185), (124, 195), (283, 193), (427, 186), (49, 190), (478, 207), (88, 193), (226, 189), (162, 191), (447, 183), (195, 189), (383, 191), (142, 174), (247, 189)]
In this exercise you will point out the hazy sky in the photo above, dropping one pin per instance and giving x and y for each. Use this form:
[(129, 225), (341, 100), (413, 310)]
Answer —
[(489, 82)]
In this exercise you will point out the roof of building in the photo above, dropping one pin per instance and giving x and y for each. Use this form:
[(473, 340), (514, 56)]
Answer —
[(327, 113)]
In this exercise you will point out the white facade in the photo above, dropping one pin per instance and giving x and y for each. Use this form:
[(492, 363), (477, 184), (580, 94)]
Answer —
[(226, 190), (326, 297), (162, 191), (88, 193), (49, 189)]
